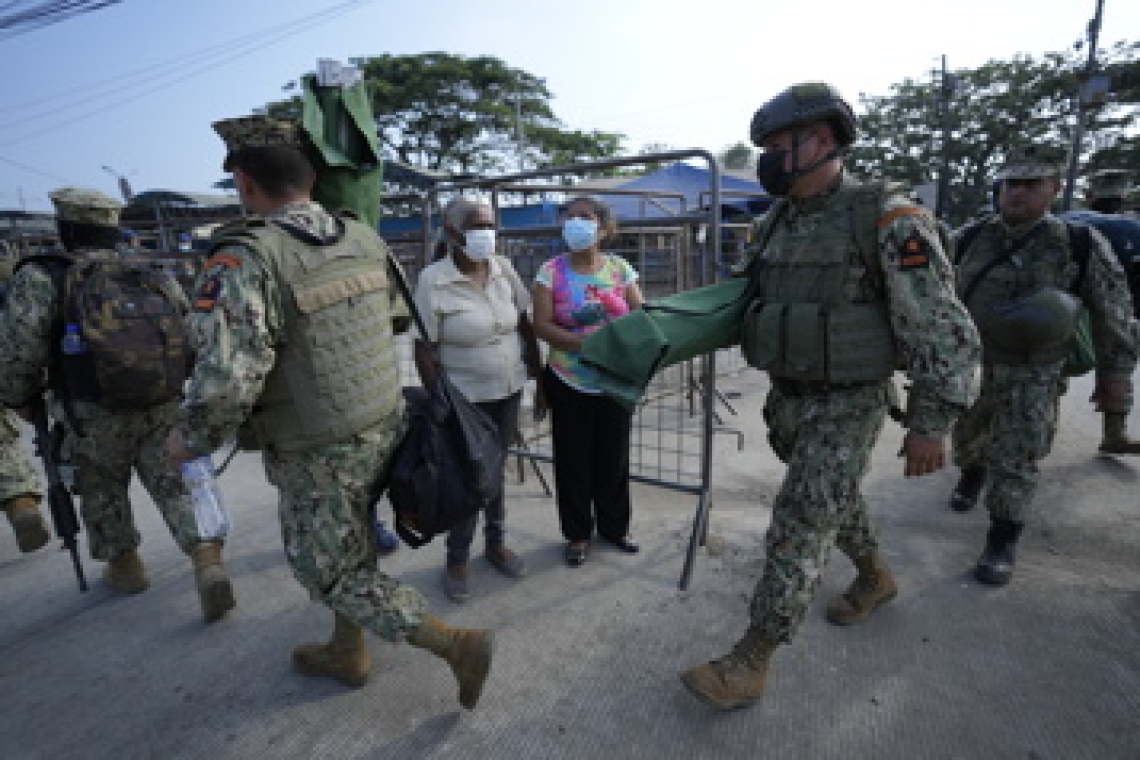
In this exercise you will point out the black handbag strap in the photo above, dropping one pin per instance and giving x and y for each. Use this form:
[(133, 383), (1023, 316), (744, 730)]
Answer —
[(406, 292)]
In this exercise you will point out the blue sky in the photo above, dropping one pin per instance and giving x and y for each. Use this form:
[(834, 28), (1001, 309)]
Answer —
[(134, 87)]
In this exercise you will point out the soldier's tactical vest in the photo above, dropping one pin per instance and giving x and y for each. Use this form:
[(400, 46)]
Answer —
[(820, 314), (337, 372), (1046, 260)]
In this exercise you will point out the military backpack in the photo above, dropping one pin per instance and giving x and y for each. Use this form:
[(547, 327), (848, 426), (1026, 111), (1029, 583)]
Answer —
[(1081, 358), (124, 323)]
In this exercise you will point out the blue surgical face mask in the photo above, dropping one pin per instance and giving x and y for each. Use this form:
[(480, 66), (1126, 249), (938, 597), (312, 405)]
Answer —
[(580, 234)]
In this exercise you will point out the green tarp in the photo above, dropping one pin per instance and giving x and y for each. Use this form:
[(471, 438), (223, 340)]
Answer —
[(340, 125), (629, 351)]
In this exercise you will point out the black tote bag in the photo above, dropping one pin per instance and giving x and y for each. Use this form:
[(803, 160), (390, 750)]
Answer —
[(450, 461)]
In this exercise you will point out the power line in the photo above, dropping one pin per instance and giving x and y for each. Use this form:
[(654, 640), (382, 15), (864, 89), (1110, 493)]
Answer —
[(247, 44), (37, 15)]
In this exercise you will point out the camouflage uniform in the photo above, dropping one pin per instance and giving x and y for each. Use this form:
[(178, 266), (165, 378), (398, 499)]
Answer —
[(1011, 428), (17, 477), (236, 323), (110, 443), (826, 434)]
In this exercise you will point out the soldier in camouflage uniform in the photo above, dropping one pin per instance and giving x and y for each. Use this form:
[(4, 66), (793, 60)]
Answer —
[(20, 493), (292, 328), (852, 283), (1024, 287), (1106, 190), (106, 444)]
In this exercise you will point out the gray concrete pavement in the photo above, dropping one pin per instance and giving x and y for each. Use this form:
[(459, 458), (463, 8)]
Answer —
[(587, 659)]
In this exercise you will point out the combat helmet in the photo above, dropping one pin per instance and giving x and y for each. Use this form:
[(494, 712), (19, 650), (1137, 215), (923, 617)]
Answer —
[(1039, 322), (801, 104)]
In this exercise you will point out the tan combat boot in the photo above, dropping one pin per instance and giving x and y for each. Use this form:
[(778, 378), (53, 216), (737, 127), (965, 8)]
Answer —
[(214, 589), (735, 680), (1116, 440), (126, 574), (873, 587), (466, 650), (27, 523), (344, 657)]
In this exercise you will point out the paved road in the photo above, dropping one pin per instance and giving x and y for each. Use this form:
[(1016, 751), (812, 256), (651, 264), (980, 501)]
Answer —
[(587, 659)]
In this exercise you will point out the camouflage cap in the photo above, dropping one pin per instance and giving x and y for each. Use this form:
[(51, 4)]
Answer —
[(77, 204), (1110, 183), (1033, 161), (257, 132)]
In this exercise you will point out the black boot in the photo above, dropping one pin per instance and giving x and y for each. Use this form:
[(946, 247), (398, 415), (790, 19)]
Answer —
[(995, 566), (969, 487)]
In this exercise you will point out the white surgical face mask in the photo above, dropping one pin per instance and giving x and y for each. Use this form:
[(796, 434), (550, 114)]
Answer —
[(479, 244), (579, 234)]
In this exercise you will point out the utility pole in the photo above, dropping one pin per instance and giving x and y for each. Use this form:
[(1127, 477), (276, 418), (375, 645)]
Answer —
[(946, 92), (1079, 132), (520, 135)]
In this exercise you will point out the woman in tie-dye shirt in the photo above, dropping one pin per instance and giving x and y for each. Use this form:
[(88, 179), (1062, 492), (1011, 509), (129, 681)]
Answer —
[(574, 295)]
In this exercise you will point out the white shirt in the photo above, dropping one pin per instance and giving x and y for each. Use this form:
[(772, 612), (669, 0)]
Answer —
[(476, 328)]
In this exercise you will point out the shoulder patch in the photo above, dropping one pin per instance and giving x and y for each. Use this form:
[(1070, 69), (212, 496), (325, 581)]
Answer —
[(914, 253), (207, 297), (227, 260), (895, 213)]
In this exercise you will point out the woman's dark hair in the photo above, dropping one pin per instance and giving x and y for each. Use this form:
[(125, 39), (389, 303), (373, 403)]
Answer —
[(77, 235), (278, 170), (607, 221)]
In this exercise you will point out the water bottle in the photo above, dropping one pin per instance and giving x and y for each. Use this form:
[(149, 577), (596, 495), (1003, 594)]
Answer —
[(72, 342), (209, 510)]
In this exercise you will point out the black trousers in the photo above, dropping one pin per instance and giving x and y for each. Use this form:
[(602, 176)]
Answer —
[(505, 414), (591, 461)]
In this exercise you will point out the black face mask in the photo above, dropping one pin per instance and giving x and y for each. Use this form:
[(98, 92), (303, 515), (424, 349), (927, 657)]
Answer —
[(771, 172)]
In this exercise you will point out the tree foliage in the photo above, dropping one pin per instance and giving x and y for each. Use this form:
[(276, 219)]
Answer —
[(994, 106), (738, 156), (464, 115)]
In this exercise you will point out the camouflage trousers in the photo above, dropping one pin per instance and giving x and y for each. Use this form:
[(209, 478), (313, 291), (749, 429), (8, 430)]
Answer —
[(1008, 431), (330, 539), (109, 446), (826, 441), (17, 476)]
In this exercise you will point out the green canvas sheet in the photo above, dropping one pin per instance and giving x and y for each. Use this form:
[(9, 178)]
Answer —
[(629, 351), (340, 125)]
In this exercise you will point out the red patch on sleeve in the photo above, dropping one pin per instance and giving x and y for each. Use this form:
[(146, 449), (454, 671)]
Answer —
[(207, 297), (914, 253), (226, 260)]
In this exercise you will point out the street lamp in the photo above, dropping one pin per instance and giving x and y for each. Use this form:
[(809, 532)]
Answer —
[(124, 186)]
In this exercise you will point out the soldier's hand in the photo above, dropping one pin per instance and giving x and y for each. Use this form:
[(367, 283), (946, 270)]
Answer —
[(176, 449), (923, 454)]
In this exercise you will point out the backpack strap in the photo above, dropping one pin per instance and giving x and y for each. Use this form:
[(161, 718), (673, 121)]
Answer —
[(1080, 247), (966, 238)]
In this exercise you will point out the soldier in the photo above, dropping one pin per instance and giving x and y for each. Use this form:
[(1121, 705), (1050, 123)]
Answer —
[(292, 327), (1106, 189), (20, 493), (852, 283), (1024, 274), (106, 443)]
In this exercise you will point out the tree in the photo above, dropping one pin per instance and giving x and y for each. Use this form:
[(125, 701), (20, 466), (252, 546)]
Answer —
[(462, 115), (738, 156), (996, 105)]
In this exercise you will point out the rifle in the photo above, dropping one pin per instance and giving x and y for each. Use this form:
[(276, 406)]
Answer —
[(60, 503)]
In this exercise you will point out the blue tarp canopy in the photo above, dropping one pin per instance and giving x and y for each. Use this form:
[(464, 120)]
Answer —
[(693, 183)]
